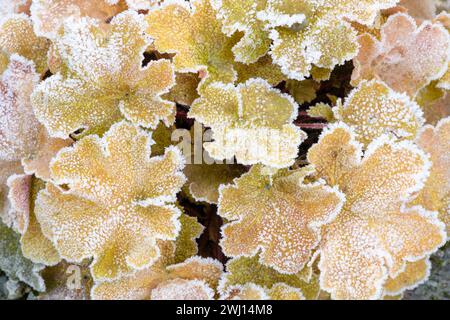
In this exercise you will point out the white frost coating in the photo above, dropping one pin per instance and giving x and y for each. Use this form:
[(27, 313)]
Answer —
[(123, 208), (12, 6), (181, 289), (238, 134), (18, 125)]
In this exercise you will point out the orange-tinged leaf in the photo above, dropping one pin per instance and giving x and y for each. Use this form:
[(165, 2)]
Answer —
[(182, 289), (277, 215), (23, 190), (142, 283), (406, 57), (49, 15), (374, 236), (373, 109), (118, 204), (435, 195), (415, 273)]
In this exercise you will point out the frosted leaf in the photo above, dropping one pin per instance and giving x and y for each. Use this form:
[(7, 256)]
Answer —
[(407, 57), (181, 289), (326, 38), (49, 15), (281, 291), (141, 284), (251, 121), (118, 203), (14, 6), (140, 4), (14, 264), (374, 236), (102, 80), (435, 195), (248, 291), (277, 215), (19, 127), (38, 161), (245, 270), (373, 109), (204, 180), (185, 90), (67, 281), (241, 16), (296, 52), (35, 246), (322, 110), (444, 19), (415, 273), (191, 31), (17, 36)]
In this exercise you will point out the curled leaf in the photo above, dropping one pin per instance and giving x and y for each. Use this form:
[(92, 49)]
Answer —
[(23, 190)]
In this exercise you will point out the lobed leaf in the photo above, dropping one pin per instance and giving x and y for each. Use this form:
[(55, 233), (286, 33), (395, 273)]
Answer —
[(101, 79), (119, 201), (17, 37), (373, 109), (277, 215), (374, 236), (251, 121)]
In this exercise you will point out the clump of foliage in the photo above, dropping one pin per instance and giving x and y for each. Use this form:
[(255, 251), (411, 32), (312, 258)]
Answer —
[(224, 149)]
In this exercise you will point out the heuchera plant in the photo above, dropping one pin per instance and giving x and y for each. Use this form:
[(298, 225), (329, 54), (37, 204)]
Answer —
[(223, 149)]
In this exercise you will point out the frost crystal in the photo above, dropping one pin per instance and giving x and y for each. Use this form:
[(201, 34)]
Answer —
[(251, 121), (374, 236), (278, 215), (118, 203), (101, 79)]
